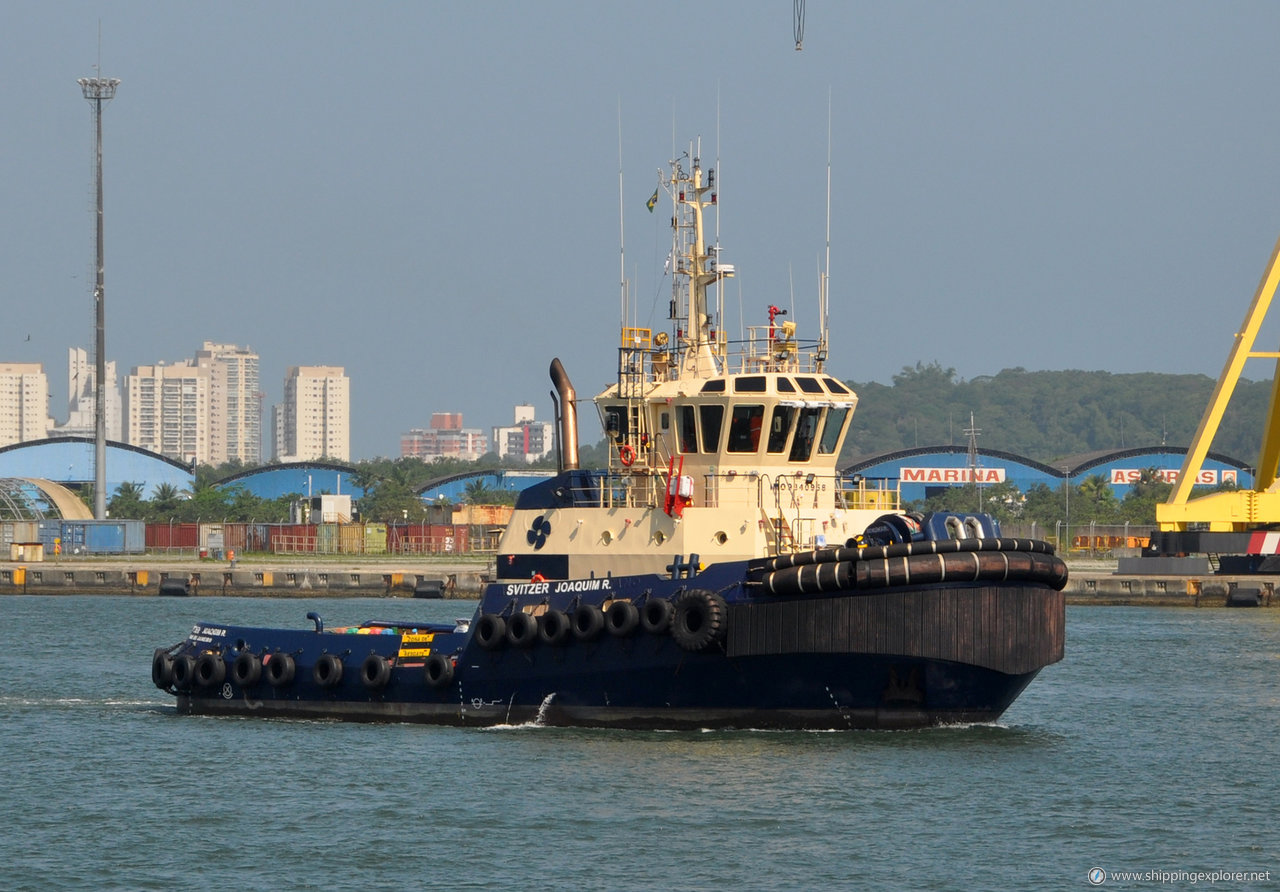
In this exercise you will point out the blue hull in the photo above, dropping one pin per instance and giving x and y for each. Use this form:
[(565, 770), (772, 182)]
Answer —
[(717, 652)]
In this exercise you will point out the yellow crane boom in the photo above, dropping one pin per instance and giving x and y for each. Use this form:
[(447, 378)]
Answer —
[(1247, 508)]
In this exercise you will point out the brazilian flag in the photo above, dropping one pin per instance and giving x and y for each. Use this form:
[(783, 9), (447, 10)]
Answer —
[(652, 202)]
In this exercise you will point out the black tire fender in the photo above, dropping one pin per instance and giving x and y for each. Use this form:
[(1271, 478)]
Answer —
[(246, 671), (555, 628), (437, 671), (588, 622), (522, 629), (184, 670), (162, 669), (700, 620), (491, 631), (655, 617), (375, 672), (281, 670), (622, 619), (211, 670), (327, 672)]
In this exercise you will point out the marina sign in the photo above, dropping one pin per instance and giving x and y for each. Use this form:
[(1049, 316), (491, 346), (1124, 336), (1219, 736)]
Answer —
[(952, 475)]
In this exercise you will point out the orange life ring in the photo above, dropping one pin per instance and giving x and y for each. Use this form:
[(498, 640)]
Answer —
[(626, 455)]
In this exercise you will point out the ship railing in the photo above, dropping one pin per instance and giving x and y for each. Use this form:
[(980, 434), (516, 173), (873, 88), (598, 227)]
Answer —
[(792, 494), (768, 348), (870, 494)]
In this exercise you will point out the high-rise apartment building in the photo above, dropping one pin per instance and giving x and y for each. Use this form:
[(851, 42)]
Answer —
[(235, 409), (166, 410), (446, 438), (314, 421), (527, 439), (24, 402), (82, 391)]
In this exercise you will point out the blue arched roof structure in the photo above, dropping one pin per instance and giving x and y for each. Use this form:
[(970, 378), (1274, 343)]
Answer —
[(454, 486), (924, 470), (296, 478), (70, 460)]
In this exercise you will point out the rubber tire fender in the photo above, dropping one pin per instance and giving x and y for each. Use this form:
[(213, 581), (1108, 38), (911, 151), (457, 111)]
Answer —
[(327, 672), (555, 628), (184, 670), (622, 619), (162, 669), (281, 669), (655, 617), (246, 671), (522, 629), (211, 670), (437, 671), (375, 672), (491, 631), (700, 620), (588, 622)]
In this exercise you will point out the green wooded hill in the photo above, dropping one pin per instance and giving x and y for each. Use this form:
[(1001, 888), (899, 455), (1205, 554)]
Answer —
[(1050, 415)]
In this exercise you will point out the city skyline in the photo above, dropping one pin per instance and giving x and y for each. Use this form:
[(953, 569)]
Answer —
[(216, 432), (1046, 186)]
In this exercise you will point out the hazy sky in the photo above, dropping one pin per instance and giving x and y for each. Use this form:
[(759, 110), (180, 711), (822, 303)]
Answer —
[(427, 193)]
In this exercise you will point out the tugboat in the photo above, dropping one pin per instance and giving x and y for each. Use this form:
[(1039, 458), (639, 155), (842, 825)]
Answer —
[(719, 573)]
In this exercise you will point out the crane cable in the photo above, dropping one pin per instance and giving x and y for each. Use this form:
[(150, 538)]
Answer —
[(798, 6)]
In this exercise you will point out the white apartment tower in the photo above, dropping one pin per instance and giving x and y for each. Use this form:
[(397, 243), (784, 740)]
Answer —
[(166, 410), (314, 421), (235, 410), (81, 392), (24, 402)]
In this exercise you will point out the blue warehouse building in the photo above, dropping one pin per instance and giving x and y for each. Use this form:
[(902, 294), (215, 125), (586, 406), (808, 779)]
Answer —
[(298, 478), (70, 461), (925, 471)]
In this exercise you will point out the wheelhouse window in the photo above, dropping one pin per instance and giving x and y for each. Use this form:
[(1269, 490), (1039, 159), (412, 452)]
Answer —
[(785, 386), (810, 385), (744, 428), (711, 418), (687, 427), (835, 386), (749, 384), (715, 385), (779, 428), (615, 422), (806, 431), (834, 426)]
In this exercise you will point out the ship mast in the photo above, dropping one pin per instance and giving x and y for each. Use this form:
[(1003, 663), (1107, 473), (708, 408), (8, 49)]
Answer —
[(698, 267)]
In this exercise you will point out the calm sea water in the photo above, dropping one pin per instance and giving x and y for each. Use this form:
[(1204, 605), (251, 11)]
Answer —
[(1152, 747)]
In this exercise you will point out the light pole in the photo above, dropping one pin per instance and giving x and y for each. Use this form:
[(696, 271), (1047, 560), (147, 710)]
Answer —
[(99, 90)]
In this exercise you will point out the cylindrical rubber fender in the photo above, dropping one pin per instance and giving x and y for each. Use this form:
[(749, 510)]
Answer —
[(211, 670), (375, 672), (438, 671), (281, 669), (554, 627), (656, 615), (588, 622), (621, 619), (184, 670), (700, 620), (491, 631), (522, 629), (246, 671), (162, 669), (327, 672)]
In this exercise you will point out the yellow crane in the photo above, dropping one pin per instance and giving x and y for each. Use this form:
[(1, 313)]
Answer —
[(1246, 509)]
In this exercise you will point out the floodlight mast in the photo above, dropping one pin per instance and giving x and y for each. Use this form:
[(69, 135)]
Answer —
[(99, 90)]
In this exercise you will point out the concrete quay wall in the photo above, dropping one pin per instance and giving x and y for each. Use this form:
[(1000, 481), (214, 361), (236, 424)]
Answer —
[(1093, 583), (275, 579)]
